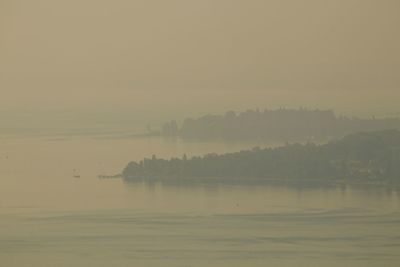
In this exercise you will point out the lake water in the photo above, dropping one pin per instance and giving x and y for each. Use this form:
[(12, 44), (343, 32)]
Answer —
[(50, 218)]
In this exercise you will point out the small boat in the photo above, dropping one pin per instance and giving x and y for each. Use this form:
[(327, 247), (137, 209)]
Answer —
[(76, 175)]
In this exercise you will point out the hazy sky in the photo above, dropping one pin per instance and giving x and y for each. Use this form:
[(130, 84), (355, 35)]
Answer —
[(182, 54)]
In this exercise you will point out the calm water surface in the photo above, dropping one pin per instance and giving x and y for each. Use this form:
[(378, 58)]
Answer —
[(50, 218)]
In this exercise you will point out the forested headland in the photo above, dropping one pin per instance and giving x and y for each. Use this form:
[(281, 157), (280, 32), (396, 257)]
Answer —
[(366, 157)]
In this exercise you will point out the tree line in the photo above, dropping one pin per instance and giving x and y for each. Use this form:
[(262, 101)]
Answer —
[(368, 156), (280, 124)]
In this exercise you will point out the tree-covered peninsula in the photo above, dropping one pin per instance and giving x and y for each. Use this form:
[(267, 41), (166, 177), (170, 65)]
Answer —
[(367, 156)]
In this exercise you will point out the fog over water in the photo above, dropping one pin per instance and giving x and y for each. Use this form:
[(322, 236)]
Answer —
[(50, 217), (80, 78)]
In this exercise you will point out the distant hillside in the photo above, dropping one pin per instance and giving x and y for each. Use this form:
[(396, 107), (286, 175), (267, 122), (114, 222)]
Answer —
[(281, 124), (372, 157)]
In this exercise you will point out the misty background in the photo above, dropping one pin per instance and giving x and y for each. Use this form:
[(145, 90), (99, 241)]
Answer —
[(97, 63), (79, 78)]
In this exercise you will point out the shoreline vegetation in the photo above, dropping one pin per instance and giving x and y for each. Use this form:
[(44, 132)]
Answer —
[(293, 125), (365, 157)]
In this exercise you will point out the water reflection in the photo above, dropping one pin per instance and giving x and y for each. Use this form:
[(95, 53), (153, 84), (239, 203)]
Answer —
[(378, 191), (47, 216), (239, 198)]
